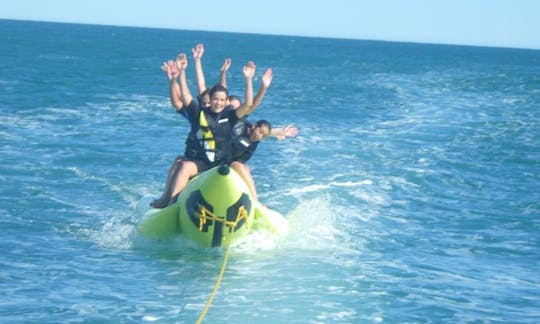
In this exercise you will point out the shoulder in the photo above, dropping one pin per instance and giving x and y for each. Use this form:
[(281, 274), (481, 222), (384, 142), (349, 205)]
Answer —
[(192, 112), (230, 112), (193, 107), (240, 127)]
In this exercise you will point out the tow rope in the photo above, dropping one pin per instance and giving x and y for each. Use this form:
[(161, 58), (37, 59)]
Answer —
[(203, 215)]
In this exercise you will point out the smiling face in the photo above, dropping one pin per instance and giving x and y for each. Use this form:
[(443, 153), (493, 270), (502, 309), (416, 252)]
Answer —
[(205, 100), (218, 98), (235, 103), (219, 101), (258, 133)]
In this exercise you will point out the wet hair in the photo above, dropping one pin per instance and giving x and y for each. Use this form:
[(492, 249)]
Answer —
[(218, 88), (205, 92), (264, 122), (233, 97)]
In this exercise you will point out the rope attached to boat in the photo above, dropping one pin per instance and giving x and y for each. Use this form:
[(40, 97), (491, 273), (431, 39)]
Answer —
[(206, 214)]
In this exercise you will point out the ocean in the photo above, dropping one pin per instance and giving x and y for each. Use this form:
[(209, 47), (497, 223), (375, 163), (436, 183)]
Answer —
[(412, 189)]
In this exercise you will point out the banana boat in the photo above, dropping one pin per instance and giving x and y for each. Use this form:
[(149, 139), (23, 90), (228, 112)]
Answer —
[(214, 209)]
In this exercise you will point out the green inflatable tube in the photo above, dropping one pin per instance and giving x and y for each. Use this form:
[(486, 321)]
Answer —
[(213, 208)]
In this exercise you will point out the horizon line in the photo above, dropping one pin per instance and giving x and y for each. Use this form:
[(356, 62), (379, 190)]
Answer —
[(281, 35)]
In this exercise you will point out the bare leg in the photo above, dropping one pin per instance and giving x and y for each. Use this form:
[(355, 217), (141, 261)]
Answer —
[(166, 196), (245, 173), (188, 170)]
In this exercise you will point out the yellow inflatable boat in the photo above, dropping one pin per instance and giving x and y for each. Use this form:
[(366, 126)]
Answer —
[(213, 208)]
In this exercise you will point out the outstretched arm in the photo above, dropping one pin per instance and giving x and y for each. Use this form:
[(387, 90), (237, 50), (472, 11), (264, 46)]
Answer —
[(266, 81), (249, 72), (223, 75), (181, 64), (282, 133), (174, 89), (198, 52)]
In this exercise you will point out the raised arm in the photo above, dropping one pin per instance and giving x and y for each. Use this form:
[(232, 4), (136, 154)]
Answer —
[(181, 64), (174, 89), (249, 72), (282, 133), (266, 81), (223, 75), (198, 52)]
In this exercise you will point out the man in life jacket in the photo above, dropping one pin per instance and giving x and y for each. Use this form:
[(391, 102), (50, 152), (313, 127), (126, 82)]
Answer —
[(171, 71), (245, 138)]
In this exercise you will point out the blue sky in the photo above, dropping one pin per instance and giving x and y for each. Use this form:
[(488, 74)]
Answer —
[(506, 23)]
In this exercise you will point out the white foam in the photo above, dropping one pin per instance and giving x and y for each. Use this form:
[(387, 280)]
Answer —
[(322, 187), (115, 233), (150, 318), (318, 224)]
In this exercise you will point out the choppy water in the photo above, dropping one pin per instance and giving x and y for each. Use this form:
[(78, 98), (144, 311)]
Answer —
[(413, 188)]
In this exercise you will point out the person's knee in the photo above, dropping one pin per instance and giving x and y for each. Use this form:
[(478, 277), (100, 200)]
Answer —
[(188, 169), (239, 167), (178, 163)]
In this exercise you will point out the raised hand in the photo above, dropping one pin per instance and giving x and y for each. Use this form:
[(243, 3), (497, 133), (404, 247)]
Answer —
[(226, 65), (181, 62), (169, 67), (172, 70), (198, 51), (290, 131), (249, 69), (267, 77), (164, 66)]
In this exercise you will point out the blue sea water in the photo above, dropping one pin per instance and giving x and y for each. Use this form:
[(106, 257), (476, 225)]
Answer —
[(412, 190)]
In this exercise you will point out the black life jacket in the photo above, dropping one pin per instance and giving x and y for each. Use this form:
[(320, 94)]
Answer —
[(209, 138), (242, 146)]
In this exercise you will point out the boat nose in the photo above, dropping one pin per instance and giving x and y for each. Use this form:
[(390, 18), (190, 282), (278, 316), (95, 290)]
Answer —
[(224, 169)]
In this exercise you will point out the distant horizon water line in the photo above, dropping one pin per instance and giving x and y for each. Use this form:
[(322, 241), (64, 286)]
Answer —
[(412, 42)]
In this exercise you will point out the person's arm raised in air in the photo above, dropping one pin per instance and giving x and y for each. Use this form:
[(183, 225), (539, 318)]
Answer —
[(223, 74), (181, 64), (198, 52), (282, 133), (249, 72), (174, 89), (266, 81)]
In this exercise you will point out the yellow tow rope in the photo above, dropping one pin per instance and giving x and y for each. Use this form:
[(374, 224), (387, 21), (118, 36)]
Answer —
[(204, 214)]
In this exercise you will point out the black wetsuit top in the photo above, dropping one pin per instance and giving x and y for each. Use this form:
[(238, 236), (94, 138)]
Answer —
[(242, 147), (220, 125)]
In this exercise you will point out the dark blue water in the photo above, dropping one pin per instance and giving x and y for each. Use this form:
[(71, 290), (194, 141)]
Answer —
[(412, 190)]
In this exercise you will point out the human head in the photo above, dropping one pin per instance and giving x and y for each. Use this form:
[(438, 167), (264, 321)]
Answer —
[(204, 98), (218, 98), (234, 101), (260, 130)]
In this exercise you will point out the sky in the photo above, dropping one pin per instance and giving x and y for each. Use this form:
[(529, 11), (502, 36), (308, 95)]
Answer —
[(498, 23)]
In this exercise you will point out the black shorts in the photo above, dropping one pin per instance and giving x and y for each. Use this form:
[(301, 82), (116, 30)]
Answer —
[(202, 165)]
